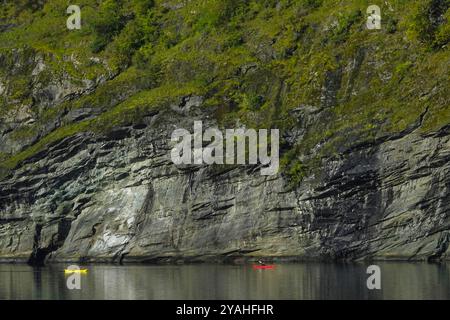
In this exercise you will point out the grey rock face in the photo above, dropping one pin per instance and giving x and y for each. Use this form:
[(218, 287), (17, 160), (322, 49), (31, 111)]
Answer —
[(119, 198)]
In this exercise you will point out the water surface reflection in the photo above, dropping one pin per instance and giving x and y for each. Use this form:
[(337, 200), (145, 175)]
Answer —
[(287, 281)]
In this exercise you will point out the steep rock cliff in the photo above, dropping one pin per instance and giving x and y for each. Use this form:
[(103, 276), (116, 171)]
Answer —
[(120, 198)]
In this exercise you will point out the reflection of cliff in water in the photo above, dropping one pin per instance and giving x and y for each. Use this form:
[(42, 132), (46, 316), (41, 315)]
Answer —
[(289, 281)]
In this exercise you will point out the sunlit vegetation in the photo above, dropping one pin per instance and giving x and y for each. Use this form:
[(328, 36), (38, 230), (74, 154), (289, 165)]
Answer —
[(255, 62)]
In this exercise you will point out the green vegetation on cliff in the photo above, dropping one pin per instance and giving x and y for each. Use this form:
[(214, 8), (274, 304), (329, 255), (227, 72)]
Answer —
[(259, 62)]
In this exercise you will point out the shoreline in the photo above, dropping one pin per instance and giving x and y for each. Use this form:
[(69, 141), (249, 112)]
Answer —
[(217, 261)]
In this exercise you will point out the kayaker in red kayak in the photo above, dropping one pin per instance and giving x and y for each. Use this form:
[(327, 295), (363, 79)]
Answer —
[(262, 265)]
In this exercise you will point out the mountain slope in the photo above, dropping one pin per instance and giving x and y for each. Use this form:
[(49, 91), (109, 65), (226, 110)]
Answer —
[(86, 117)]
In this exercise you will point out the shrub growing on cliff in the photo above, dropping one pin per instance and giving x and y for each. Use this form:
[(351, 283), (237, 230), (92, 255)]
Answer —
[(442, 36), (429, 23), (107, 25)]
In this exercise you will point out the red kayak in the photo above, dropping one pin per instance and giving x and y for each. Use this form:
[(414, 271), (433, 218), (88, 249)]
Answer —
[(263, 267)]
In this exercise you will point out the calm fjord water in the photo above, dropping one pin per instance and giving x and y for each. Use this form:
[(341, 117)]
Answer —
[(287, 281)]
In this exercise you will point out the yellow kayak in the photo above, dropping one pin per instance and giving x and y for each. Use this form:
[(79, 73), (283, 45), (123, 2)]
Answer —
[(75, 270)]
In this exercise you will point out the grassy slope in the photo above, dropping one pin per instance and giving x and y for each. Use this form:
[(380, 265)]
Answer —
[(386, 79)]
